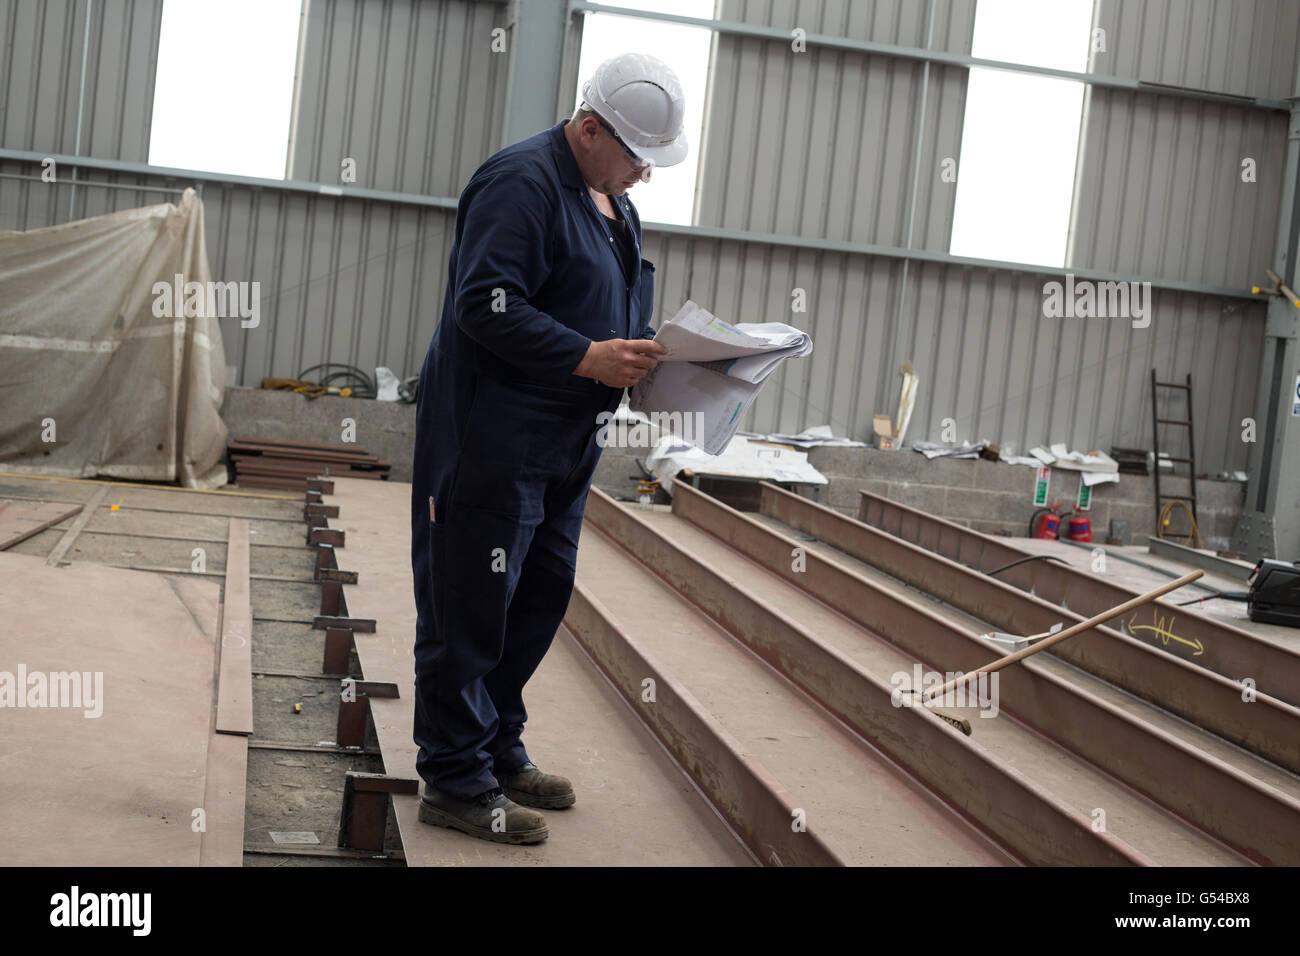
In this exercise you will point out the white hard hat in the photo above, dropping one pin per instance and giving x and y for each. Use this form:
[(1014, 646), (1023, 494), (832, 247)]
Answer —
[(640, 97)]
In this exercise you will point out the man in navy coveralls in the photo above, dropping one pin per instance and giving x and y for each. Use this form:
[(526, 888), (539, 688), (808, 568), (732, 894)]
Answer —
[(546, 319)]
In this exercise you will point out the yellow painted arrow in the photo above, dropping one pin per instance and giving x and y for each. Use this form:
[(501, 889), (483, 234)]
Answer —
[(1161, 629)]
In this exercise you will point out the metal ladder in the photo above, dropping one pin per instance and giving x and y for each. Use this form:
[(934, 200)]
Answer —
[(1190, 461)]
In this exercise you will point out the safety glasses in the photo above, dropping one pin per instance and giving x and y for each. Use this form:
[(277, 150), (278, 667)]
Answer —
[(639, 164)]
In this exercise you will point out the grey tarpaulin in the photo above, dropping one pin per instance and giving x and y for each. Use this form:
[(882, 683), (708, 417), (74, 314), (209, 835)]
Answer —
[(86, 360)]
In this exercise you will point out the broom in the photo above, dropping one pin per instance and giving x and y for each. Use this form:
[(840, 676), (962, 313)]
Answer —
[(964, 725)]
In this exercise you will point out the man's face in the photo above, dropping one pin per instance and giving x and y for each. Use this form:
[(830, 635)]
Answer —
[(612, 171)]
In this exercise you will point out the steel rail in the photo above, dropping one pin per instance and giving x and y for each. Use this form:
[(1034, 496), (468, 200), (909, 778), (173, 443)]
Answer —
[(1012, 808), (1257, 820), (1257, 722), (1226, 650), (746, 795)]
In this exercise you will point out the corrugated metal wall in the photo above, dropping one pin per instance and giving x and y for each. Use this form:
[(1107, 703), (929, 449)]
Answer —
[(1161, 192), (822, 145), (816, 145), (802, 143), (40, 76), (1246, 47), (408, 88), (340, 280), (986, 355)]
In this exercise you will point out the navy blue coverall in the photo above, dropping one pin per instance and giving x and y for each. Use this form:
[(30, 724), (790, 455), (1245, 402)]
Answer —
[(505, 447)]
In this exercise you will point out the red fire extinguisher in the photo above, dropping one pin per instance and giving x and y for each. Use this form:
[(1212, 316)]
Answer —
[(1046, 523)]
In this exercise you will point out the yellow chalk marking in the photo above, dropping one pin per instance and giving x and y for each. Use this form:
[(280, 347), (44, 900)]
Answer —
[(1162, 629)]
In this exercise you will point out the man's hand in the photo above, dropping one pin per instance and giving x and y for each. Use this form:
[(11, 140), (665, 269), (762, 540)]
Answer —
[(619, 363)]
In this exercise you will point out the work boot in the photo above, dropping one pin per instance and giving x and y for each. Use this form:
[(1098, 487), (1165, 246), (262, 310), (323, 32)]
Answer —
[(532, 788), (489, 816)]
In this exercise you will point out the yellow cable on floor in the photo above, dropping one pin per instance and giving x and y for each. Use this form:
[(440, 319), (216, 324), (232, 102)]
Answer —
[(1193, 539)]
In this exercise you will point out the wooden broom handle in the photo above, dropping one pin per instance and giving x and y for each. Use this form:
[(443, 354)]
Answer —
[(1070, 632)]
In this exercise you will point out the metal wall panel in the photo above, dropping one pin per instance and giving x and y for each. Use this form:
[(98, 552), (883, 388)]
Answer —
[(823, 143), (340, 280), (1245, 47), (977, 338), (901, 22), (818, 145), (41, 47), (362, 283), (1161, 194), (410, 89)]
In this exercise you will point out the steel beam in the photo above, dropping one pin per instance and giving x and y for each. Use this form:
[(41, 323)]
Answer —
[(1199, 559), (689, 232), (366, 625), (363, 821), (536, 50), (354, 708), (235, 677), (1025, 817), (1221, 648), (1263, 725), (814, 40), (752, 802), (1269, 525), (338, 650), (1257, 820), (230, 179)]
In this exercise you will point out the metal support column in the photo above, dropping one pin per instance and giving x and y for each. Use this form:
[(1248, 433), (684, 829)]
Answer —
[(536, 49), (1270, 520)]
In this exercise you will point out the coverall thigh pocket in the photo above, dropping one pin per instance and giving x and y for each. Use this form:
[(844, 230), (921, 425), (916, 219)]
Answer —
[(518, 440)]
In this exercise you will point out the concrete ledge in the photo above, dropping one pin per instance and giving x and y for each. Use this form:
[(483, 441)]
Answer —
[(988, 496), (996, 498), (385, 429)]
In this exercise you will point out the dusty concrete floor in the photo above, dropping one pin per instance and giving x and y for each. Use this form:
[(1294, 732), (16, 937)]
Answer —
[(158, 528)]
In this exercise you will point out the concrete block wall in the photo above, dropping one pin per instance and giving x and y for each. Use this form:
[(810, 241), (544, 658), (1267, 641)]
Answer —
[(997, 498), (384, 429), (988, 496)]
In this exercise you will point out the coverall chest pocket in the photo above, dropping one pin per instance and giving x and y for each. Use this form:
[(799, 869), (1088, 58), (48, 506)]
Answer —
[(647, 295)]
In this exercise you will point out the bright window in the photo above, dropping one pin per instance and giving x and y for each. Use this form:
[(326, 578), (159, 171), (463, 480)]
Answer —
[(1020, 139), (670, 194), (224, 91)]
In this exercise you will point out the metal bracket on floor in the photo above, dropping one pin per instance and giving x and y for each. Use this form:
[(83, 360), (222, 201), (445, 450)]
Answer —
[(323, 622), (354, 708), (334, 574), (364, 820), (338, 650), (332, 602), (330, 536), (327, 566)]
